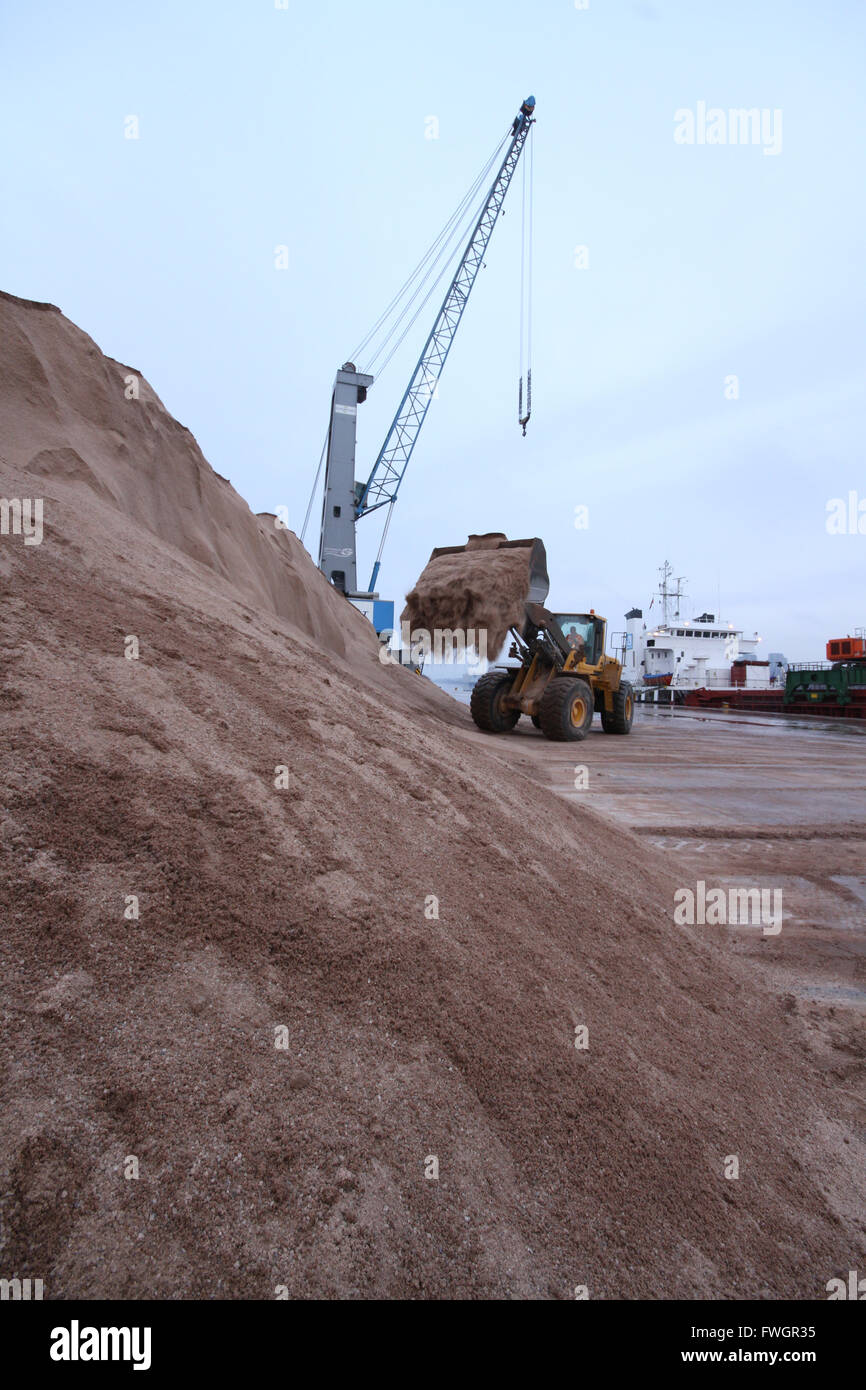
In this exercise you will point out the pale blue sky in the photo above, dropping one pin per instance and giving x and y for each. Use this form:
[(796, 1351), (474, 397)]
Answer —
[(306, 126)]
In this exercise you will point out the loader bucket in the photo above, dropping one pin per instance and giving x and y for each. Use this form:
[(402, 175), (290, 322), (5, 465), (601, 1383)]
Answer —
[(474, 593)]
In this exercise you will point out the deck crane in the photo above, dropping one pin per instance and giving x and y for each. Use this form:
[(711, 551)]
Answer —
[(346, 501)]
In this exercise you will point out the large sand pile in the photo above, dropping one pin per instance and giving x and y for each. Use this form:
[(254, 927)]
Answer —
[(304, 903)]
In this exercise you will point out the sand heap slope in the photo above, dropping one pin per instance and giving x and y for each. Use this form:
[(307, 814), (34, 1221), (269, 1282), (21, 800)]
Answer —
[(73, 415), (276, 935)]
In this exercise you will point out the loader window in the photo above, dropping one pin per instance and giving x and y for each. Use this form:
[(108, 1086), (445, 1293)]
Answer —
[(578, 630)]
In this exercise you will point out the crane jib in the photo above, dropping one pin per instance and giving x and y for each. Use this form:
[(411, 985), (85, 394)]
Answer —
[(390, 466), (345, 500)]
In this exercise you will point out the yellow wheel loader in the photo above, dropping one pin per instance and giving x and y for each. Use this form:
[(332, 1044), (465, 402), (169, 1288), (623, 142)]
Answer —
[(564, 677), (494, 586)]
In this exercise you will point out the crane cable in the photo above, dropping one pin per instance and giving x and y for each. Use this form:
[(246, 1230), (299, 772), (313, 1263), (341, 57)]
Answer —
[(526, 287), (446, 266), (315, 485), (450, 242), (451, 233), (451, 230)]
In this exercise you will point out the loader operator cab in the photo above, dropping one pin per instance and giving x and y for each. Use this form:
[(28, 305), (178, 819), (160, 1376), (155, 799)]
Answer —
[(583, 631)]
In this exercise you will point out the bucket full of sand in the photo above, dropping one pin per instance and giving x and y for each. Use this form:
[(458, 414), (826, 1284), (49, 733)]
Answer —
[(480, 587)]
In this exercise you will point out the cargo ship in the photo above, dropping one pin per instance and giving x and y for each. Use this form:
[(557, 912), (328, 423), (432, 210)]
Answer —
[(831, 689), (704, 663), (677, 654)]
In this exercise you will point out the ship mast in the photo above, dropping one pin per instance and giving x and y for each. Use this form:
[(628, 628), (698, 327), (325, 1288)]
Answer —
[(669, 593)]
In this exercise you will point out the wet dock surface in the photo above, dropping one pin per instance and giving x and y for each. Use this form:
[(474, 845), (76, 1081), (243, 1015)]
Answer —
[(743, 801)]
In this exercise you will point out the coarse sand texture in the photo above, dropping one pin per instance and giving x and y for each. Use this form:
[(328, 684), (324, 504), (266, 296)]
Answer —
[(219, 956)]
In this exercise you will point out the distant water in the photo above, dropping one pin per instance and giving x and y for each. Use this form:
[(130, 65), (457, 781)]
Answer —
[(456, 681)]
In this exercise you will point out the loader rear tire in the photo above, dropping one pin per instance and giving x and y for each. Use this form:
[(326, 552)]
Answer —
[(536, 721), (621, 718), (485, 704), (566, 709)]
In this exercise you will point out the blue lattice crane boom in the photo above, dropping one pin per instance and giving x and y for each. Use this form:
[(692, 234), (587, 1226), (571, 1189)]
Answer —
[(345, 502)]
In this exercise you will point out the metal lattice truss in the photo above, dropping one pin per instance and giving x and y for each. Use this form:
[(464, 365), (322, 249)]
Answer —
[(394, 456)]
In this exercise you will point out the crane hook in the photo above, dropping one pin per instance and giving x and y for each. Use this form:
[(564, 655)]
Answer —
[(521, 418)]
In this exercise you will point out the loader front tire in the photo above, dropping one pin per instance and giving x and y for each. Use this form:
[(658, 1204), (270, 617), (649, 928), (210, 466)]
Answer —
[(485, 704), (566, 709), (621, 718)]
